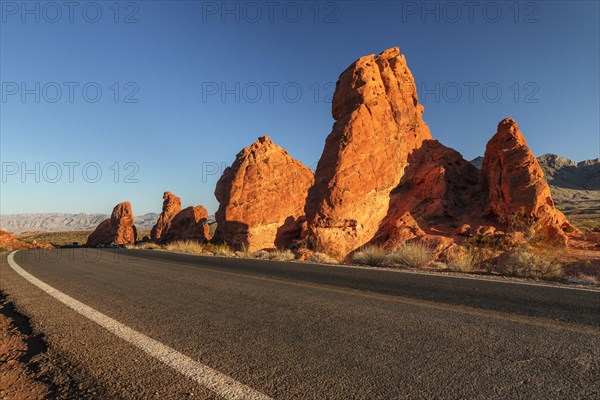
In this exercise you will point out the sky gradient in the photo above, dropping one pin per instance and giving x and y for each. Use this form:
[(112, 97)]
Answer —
[(167, 93)]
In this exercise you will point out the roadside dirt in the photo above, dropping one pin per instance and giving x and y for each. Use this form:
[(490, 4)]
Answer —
[(27, 369)]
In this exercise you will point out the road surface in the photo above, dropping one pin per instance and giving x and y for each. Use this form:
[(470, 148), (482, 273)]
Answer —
[(151, 324)]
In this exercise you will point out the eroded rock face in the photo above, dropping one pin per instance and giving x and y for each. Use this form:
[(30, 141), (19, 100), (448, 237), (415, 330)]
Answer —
[(118, 229), (438, 192), (189, 224), (383, 180), (9, 242), (261, 197), (378, 124), (171, 206), (516, 184)]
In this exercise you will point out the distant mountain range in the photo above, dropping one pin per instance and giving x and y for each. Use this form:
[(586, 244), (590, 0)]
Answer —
[(575, 187), (58, 222), (564, 173)]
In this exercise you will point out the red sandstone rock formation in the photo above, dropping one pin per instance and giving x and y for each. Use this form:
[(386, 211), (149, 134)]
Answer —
[(118, 229), (438, 192), (189, 224), (383, 180), (516, 185), (377, 126), (261, 197), (9, 242), (171, 206)]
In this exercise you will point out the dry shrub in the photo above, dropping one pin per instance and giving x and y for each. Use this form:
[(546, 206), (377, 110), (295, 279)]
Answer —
[(221, 250), (410, 255), (438, 265), (148, 246), (584, 279), (193, 247), (261, 255), (466, 261), (370, 255), (322, 258), (525, 264), (282, 255), (244, 252), (185, 246)]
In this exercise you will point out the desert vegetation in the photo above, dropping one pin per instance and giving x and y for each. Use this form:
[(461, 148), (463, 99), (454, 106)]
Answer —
[(525, 264), (408, 255), (55, 238), (465, 261), (480, 255)]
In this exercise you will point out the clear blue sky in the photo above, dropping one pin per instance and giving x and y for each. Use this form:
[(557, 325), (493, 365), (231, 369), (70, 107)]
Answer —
[(544, 57)]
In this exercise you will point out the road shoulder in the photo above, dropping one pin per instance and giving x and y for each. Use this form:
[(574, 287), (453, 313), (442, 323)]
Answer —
[(28, 370)]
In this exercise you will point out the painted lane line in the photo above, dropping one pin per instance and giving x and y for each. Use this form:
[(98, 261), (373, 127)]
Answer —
[(221, 384)]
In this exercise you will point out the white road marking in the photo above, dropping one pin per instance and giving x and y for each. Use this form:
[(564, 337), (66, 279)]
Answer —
[(221, 384)]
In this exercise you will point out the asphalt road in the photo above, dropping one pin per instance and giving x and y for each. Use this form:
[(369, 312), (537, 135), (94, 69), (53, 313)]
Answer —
[(297, 331)]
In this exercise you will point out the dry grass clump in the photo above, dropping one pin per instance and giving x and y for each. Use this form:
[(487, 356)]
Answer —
[(276, 255), (261, 255), (185, 246), (467, 261), (193, 247), (244, 252), (525, 264), (370, 255), (282, 255), (584, 279), (322, 258), (410, 255), (221, 250), (144, 246)]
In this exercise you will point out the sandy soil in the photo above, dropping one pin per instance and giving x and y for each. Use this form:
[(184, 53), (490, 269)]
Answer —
[(17, 348), (28, 371)]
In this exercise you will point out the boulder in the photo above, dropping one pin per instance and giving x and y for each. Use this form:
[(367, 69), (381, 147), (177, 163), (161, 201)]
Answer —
[(261, 198), (171, 206), (118, 229), (378, 124), (516, 189), (189, 224)]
